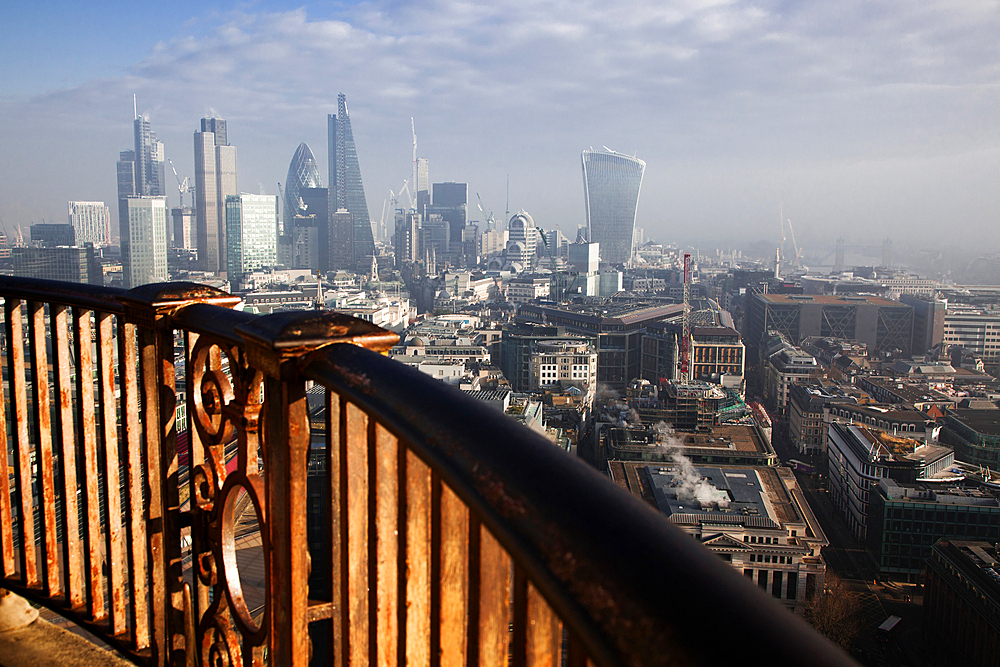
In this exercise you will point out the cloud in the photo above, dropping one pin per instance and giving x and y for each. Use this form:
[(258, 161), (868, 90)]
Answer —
[(742, 102)]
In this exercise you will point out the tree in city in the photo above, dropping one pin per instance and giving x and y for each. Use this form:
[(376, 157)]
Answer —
[(836, 614)]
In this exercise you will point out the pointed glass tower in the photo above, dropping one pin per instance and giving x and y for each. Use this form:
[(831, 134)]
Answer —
[(346, 190), (303, 172)]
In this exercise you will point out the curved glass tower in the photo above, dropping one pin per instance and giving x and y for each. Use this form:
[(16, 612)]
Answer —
[(611, 193), (303, 172)]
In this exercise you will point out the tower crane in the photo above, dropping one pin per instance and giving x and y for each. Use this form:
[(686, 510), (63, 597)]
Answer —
[(491, 222), (182, 186), (394, 196), (782, 221)]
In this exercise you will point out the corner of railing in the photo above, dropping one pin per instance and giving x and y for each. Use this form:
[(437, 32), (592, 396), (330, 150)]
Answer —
[(148, 305), (278, 345), (148, 319), (273, 340)]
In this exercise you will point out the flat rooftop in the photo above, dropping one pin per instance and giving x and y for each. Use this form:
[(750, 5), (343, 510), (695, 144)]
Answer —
[(829, 300), (986, 422), (704, 494)]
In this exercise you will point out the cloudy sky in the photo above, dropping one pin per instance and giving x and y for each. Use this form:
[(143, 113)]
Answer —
[(865, 119)]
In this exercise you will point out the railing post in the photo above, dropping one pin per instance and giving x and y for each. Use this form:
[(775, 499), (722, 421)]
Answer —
[(150, 308), (277, 345)]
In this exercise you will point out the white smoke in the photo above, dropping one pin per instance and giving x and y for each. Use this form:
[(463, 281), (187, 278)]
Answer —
[(687, 483)]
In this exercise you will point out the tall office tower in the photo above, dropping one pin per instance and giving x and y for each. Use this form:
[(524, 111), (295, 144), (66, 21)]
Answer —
[(423, 175), (611, 184), (252, 233), (303, 172), (346, 188), (184, 228), (214, 180), (315, 201), (91, 222), (149, 160), (450, 201), (127, 187), (423, 186), (144, 241), (407, 237), (341, 255)]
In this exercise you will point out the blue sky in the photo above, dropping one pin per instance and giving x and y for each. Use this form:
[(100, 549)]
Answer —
[(865, 119)]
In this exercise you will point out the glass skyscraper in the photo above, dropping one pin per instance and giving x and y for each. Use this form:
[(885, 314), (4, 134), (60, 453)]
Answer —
[(346, 189), (611, 184), (251, 232), (303, 172)]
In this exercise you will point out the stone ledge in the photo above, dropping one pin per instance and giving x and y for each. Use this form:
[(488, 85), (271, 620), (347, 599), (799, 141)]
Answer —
[(42, 643)]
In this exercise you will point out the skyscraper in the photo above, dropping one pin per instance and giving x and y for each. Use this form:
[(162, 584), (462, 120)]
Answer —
[(144, 241), (611, 184), (214, 180), (91, 221), (149, 160), (346, 189), (252, 233), (303, 172)]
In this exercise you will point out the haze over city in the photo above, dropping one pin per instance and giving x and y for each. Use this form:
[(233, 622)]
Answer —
[(868, 121)]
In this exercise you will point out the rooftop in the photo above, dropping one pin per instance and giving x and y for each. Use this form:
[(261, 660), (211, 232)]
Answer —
[(829, 300)]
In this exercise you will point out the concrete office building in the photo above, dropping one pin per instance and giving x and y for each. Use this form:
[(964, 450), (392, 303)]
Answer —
[(72, 264), (215, 179), (144, 241), (962, 604), (91, 221), (185, 231), (754, 518), (611, 183), (252, 233), (619, 328), (906, 520), (50, 235), (884, 326), (859, 457)]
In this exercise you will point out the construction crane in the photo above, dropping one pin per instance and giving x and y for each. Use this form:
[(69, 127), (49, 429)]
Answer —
[(686, 322), (394, 196), (491, 222), (182, 186), (413, 129), (782, 221)]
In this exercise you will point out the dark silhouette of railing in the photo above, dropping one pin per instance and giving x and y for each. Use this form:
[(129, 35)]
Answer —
[(450, 534)]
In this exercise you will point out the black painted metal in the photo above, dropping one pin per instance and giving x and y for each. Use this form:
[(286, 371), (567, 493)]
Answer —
[(633, 588)]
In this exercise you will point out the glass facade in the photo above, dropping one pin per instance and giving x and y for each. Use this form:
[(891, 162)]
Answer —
[(611, 183), (346, 189), (303, 172), (251, 233)]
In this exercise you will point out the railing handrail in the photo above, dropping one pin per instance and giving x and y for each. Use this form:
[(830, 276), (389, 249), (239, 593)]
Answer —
[(629, 583), (631, 588)]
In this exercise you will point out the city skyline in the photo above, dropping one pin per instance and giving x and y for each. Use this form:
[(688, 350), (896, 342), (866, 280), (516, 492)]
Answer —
[(855, 118)]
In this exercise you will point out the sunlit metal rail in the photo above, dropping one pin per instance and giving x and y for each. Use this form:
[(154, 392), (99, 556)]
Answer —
[(419, 527)]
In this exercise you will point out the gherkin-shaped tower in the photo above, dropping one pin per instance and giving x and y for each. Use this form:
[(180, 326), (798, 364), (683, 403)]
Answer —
[(303, 172)]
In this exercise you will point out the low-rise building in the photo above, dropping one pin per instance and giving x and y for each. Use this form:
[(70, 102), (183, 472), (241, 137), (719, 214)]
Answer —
[(975, 435), (755, 518), (859, 457), (906, 520), (962, 604), (569, 363)]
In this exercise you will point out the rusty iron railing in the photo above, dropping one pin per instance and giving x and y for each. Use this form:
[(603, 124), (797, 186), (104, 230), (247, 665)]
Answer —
[(401, 522)]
